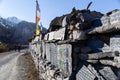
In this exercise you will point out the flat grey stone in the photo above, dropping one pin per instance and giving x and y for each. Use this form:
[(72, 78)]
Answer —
[(85, 74), (92, 69), (108, 74)]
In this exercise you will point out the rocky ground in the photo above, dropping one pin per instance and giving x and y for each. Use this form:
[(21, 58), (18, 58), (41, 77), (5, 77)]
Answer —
[(17, 66)]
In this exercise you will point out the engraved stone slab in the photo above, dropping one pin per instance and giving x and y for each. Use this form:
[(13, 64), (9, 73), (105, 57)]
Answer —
[(53, 53), (115, 17), (92, 69), (64, 60), (115, 43), (105, 20), (43, 49), (51, 34), (48, 51), (60, 34), (85, 74)]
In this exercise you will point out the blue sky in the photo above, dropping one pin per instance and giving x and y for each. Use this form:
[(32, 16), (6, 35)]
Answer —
[(25, 9)]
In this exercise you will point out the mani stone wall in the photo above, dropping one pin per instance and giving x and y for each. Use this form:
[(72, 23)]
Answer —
[(101, 64)]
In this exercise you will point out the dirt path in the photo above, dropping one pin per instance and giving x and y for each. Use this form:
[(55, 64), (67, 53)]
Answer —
[(17, 66)]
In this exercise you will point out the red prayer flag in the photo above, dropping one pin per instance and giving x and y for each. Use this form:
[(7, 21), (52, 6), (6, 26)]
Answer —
[(37, 18)]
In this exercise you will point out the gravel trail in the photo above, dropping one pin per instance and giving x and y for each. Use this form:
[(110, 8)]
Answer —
[(17, 66)]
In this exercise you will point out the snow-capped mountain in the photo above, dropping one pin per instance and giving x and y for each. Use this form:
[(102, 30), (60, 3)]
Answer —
[(12, 30), (9, 22), (13, 19)]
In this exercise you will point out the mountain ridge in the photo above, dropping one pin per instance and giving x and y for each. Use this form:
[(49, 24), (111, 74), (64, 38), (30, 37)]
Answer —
[(13, 19), (18, 32)]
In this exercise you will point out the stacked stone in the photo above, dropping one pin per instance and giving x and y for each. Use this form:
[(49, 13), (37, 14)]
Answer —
[(82, 45)]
